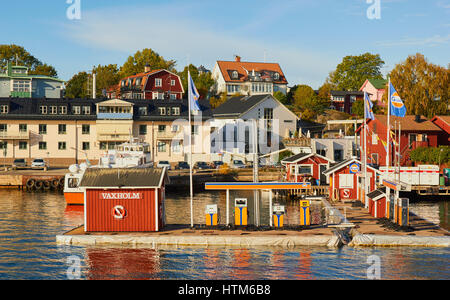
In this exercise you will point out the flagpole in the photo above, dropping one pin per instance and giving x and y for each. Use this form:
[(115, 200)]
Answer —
[(388, 125), (365, 150), (190, 152)]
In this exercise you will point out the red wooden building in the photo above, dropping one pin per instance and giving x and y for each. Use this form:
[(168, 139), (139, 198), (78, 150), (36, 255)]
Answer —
[(377, 203), (443, 122), (345, 180), (304, 166), (124, 200), (416, 131), (156, 84)]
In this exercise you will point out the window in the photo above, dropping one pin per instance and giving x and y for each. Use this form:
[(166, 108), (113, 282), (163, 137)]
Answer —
[(62, 145), (86, 110), (143, 110), (86, 146), (175, 111), (176, 146), (352, 98), (43, 110), (23, 127), (235, 75), (158, 96), (346, 181), (173, 96), (162, 147), (175, 128), (142, 129), (374, 139), (3, 145), (53, 110), (172, 82), (158, 82), (4, 109), (103, 145), (63, 110), (22, 86), (276, 76), (42, 129), (76, 110), (62, 129), (85, 129), (162, 111), (305, 169), (338, 98), (42, 145), (194, 129), (161, 128), (268, 113), (3, 127), (23, 145)]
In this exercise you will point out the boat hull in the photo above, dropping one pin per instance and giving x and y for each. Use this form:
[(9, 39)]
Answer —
[(74, 198)]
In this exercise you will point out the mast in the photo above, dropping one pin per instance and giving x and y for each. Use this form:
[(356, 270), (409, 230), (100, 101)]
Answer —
[(388, 124), (190, 151), (366, 204)]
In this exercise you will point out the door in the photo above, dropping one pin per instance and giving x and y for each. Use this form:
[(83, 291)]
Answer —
[(323, 178)]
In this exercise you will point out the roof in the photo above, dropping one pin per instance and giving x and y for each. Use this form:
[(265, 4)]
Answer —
[(446, 119), (408, 123), (379, 84), (246, 68), (302, 156), (377, 194), (236, 106), (344, 164), (123, 178), (345, 93)]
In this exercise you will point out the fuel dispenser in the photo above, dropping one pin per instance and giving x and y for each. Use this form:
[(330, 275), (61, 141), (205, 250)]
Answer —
[(240, 212), (403, 212), (278, 212), (212, 215), (391, 207), (305, 218)]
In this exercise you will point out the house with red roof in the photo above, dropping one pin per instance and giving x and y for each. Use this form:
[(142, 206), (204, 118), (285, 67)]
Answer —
[(248, 78), (151, 84)]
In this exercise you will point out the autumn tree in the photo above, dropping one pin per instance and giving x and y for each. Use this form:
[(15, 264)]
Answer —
[(353, 71), (308, 102), (76, 87), (136, 63), (424, 87), (280, 96), (106, 76)]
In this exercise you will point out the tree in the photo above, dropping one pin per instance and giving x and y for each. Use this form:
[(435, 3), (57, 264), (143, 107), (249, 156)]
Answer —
[(136, 64), (106, 76), (216, 101), (203, 82), (280, 97), (303, 93), (14, 53), (353, 71), (423, 86), (309, 103), (77, 86)]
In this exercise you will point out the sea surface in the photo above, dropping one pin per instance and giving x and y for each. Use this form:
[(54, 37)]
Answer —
[(29, 223)]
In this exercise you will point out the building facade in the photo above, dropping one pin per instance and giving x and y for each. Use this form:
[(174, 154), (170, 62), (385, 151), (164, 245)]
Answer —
[(67, 131), (16, 82), (248, 78), (376, 89), (343, 100)]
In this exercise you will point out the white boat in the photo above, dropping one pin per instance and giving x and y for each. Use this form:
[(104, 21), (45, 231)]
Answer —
[(131, 154)]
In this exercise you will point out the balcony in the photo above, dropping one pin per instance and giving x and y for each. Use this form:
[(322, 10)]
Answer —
[(14, 135), (114, 116)]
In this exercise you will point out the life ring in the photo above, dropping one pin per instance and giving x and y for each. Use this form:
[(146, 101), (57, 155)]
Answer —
[(39, 185), (61, 181), (55, 183), (30, 183), (46, 185)]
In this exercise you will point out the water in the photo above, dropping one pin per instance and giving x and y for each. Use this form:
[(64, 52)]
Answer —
[(30, 222)]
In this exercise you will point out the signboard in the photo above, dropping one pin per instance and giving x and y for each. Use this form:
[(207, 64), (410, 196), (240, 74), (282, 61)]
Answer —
[(354, 168)]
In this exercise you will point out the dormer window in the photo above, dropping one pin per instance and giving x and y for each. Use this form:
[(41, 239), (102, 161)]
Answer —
[(234, 75), (276, 76)]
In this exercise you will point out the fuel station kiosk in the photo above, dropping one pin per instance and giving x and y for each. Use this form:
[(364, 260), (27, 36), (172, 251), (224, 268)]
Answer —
[(276, 213)]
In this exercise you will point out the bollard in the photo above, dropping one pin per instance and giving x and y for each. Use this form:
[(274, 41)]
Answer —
[(212, 213), (305, 217)]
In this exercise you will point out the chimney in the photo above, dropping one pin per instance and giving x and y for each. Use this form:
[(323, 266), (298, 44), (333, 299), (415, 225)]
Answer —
[(147, 68), (417, 118), (238, 58)]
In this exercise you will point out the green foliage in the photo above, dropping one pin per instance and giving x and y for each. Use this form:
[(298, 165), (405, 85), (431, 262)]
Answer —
[(281, 97), (309, 103), (284, 155), (203, 82), (106, 76), (353, 71), (431, 155), (44, 69), (77, 86)]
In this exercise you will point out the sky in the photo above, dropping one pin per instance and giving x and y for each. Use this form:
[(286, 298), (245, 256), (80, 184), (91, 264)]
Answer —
[(308, 38)]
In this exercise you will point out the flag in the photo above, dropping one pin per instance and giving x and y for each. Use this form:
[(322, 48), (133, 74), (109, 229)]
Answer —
[(396, 104), (193, 94), (368, 107)]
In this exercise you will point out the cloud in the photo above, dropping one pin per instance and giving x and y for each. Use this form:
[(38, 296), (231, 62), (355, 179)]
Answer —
[(433, 41), (171, 31)]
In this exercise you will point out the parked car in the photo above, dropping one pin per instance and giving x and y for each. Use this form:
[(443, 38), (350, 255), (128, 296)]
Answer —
[(217, 164), (202, 165), (164, 164), (19, 163), (237, 164), (182, 165), (38, 163)]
